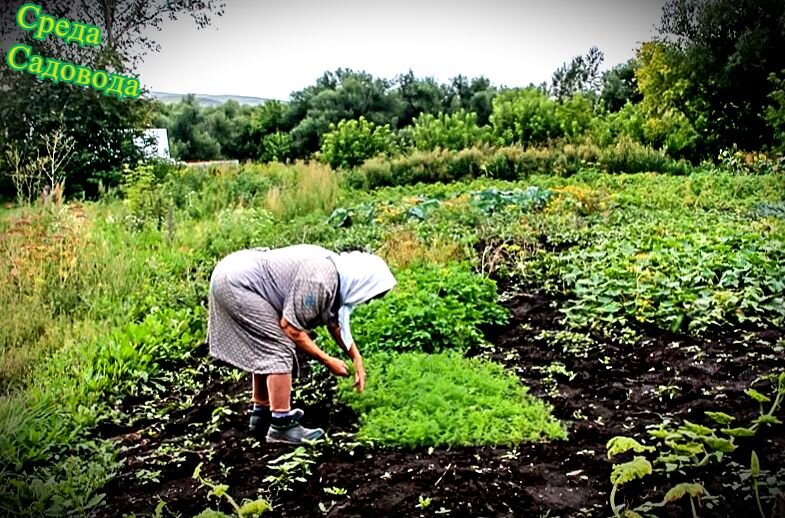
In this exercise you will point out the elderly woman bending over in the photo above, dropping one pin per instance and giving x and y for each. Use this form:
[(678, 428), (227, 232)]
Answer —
[(263, 303)]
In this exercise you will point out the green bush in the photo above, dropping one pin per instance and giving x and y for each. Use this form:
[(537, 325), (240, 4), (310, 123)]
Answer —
[(775, 112), (629, 121), (417, 399), (432, 308), (351, 142), (629, 156), (276, 147), (575, 115), (454, 131), (526, 116), (511, 163)]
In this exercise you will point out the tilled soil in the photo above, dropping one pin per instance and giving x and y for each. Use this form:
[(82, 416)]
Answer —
[(604, 390)]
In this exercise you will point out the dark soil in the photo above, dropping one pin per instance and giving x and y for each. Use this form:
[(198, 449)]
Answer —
[(615, 389)]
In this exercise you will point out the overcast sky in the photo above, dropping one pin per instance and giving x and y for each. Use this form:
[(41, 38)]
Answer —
[(270, 48)]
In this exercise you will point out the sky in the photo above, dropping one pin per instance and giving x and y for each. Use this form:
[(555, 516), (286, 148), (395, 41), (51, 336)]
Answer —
[(271, 48)]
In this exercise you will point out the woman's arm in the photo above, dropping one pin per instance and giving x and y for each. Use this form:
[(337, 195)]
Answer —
[(354, 355), (305, 344)]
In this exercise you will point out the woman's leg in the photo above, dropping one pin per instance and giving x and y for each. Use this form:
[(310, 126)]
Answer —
[(260, 395), (279, 388)]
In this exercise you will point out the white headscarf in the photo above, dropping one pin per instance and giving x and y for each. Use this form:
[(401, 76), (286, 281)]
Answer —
[(363, 276)]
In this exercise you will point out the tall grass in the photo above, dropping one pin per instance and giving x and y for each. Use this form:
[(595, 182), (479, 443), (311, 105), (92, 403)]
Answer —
[(306, 188)]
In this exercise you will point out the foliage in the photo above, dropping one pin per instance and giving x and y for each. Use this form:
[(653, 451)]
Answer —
[(305, 188), (103, 128), (448, 131), (575, 115), (249, 508), (619, 86), (417, 399), (581, 75), (681, 272), (432, 308), (691, 446), (512, 163), (525, 116), (351, 142), (668, 90), (775, 112), (728, 51), (739, 162)]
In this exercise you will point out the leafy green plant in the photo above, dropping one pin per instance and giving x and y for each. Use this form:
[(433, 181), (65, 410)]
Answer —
[(351, 142), (416, 399), (432, 308), (525, 116), (249, 508), (690, 446), (454, 131), (290, 468), (680, 271)]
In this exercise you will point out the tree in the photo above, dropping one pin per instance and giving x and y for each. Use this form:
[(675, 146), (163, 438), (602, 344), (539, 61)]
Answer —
[(619, 86), (351, 142), (344, 94), (674, 115), (453, 131), (775, 112), (525, 116), (189, 133), (417, 96), (103, 128), (730, 47), (581, 75)]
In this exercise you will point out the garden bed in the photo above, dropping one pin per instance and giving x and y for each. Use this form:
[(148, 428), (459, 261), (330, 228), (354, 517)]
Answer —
[(603, 390)]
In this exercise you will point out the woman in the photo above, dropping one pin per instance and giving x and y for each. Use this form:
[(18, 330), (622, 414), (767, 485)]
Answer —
[(262, 305)]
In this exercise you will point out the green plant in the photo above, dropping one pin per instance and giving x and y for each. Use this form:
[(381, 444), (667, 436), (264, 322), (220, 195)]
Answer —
[(691, 446), (677, 270), (249, 508), (351, 142), (417, 399), (423, 501), (433, 308), (525, 116), (289, 469), (454, 131)]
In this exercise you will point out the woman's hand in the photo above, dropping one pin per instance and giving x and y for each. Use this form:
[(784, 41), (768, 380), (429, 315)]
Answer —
[(359, 375), (336, 366)]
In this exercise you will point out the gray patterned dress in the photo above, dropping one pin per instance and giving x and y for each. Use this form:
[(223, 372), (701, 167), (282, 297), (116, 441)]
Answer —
[(250, 290)]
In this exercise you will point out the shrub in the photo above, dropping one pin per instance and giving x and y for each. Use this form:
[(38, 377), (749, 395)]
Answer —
[(276, 147), (417, 399), (775, 112), (432, 308), (628, 156), (575, 115), (454, 131), (524, 117), (351, 142), (629, 121)]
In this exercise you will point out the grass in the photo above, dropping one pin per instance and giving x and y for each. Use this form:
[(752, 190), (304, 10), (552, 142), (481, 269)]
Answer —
[(416, 399)]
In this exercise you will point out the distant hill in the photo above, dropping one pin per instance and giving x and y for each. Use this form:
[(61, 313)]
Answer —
[(209, 100)]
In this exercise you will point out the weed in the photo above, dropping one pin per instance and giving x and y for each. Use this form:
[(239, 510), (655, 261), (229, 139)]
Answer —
[(249, 508)]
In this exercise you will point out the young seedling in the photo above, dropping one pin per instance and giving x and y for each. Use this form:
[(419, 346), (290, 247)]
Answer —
[(249, 509), (755, 472)]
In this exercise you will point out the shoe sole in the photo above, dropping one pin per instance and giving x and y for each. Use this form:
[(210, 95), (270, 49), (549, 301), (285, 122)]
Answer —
[(284, 441)]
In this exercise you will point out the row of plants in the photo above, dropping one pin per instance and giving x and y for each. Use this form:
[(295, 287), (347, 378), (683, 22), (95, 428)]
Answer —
[(680, 452), (511, 163), (682, 271)]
